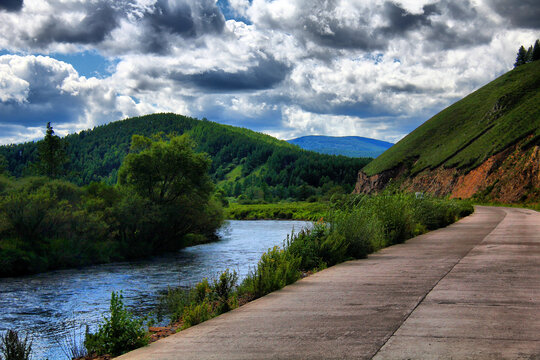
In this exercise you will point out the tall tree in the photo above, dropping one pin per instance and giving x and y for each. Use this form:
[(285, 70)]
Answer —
[(521, 57), (173, 180), (536, 51), (52, 154), (529, 55)]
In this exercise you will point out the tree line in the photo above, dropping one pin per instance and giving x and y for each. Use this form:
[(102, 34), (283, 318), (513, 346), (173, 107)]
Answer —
[(525, 56), (244, 163)]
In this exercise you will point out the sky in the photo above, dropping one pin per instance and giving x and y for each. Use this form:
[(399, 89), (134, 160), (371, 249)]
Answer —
[(287, 68)]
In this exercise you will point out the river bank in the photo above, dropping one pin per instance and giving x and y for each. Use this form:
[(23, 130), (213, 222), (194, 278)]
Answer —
[(56, 305), (352, 229)]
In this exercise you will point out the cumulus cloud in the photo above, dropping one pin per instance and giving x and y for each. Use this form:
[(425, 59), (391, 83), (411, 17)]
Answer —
[(287, 67), (37, 89), (108, 25)]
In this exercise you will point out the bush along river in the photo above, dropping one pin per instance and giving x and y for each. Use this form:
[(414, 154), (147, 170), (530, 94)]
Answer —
[(54, 307)]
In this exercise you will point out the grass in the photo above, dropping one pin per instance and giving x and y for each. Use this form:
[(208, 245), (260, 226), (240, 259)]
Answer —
[(474, 128), (292, 211)]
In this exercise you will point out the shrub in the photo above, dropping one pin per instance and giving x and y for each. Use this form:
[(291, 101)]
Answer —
[(12, 347), (196, 313), (306, 246), (276, 268), (120, 333), (223, 290)]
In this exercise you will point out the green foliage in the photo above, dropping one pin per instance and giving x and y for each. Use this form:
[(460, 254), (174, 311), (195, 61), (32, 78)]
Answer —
[(49, 224), (521, 57), (3, 164), (202, 302), (196, 313), (120, 332), (536, 51), (13, 347), (166, 171), (223, 288), (243, 161), (480, 125), (276, 268), (282, 210), (529, 55), (51, 154)]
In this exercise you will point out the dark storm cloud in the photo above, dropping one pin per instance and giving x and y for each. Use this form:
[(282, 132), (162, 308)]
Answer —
[(320, 24), (93, 28), (522, 13), (161, 23), (11, 5), (186, 19), (401, 21), (327, 29), (265, 75)]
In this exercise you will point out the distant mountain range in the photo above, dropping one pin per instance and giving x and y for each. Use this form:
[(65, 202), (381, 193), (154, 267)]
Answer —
[(352, 146)]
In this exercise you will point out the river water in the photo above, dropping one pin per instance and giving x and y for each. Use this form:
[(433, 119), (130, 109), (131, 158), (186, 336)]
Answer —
[(56, 305)]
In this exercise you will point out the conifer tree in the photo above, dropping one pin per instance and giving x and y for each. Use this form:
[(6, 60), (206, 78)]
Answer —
[(529, 55), (536, 51), (521, 57), (52, 155)]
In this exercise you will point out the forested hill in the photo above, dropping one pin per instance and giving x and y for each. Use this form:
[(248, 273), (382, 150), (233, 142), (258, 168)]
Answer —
[(353, 146), (243, 161)]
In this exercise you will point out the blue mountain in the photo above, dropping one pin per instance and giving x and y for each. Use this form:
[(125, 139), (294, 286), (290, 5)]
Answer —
[(352, 146)]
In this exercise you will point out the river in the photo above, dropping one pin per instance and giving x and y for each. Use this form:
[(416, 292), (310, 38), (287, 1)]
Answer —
[(56, 305)]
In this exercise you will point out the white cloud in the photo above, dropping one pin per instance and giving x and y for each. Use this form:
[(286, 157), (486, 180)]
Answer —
[(369, 68)]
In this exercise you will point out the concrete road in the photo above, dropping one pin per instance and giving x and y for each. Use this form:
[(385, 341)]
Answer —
[(468, 291)]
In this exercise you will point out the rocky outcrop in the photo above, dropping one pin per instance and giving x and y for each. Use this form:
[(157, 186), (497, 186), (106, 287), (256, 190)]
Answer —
[(373, 184), (512, 175)]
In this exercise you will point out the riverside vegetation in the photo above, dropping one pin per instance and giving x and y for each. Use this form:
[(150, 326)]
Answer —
[(163, 201), (355, 227)]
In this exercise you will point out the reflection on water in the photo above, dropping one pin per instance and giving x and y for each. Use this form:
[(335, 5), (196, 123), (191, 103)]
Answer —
[(54, 304)]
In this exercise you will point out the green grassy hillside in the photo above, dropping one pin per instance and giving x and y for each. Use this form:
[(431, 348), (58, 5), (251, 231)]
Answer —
[(465, 134), (243, 161)]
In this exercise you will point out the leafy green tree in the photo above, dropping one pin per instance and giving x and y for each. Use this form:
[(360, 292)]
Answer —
[(173, 179), (536, 51), (521, 57), (165, 172), (52, 154)]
